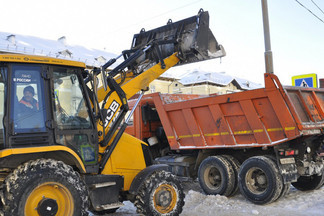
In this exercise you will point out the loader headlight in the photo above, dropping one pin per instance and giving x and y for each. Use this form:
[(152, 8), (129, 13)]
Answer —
[(308, 149)]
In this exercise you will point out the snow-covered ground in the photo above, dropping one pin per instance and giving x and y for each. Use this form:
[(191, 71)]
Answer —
[(295, 203)]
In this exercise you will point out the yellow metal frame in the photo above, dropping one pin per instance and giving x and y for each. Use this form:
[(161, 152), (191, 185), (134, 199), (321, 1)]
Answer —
[(127, 159), (29, 150), (39, 60), (132, 85)]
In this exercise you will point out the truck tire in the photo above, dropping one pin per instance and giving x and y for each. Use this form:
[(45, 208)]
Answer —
[(286, 187), (260, 180), (305, 183), (285, 190), (160, 194), (45, 187), (236, 167), (216, 176)]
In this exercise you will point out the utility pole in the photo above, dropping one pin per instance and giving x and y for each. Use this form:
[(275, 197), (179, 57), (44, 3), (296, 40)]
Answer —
[(266, 29)]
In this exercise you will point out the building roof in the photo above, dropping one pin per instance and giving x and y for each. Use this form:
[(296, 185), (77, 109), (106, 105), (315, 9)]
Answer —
[(31, 45), (198, 76)]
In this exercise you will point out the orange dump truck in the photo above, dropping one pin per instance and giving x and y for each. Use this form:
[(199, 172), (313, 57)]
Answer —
[(259, 141)]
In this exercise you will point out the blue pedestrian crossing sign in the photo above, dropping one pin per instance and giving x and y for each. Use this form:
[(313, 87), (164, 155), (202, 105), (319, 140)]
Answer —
[(306, 80)]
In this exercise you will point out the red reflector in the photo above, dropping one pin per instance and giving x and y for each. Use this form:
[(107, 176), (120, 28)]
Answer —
[(281, 153), (291, 152)]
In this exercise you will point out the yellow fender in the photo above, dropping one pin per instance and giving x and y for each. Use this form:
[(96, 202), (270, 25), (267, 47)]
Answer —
[(22, 154)]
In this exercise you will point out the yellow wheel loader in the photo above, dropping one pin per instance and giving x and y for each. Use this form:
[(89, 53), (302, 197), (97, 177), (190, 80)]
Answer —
[(63, 150)]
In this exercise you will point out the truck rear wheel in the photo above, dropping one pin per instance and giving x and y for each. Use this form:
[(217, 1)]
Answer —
[(216, 176), (260, 180), (286, 187), (236, 168), (45, 187), (161, 194), (305, 183)]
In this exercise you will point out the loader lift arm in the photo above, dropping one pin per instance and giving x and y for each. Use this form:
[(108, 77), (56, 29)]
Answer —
[(151, 54)]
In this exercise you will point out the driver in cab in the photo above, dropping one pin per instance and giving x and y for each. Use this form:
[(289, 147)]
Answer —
[(28, 100)]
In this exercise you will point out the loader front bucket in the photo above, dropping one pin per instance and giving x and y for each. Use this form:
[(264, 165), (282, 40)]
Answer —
[(191, 38)]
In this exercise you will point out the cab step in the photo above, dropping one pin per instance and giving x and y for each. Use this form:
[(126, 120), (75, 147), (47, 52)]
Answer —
[(109, 206), (101, 185)]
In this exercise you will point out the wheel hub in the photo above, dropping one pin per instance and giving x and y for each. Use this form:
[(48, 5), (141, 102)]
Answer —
[(213, 177), (256, 180), (47, 207), (50, 199), (164, 198), (261, 179)]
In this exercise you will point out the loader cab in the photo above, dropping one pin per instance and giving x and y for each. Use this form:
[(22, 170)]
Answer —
[(44, 105)]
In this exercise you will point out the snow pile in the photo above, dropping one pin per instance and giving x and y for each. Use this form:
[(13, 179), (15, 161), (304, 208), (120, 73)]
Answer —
[(200, 204), (127, 210), (295, 203)]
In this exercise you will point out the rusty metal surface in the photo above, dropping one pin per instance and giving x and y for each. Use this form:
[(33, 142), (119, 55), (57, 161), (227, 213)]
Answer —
[(172, 98), (255, 118), (308, 103)]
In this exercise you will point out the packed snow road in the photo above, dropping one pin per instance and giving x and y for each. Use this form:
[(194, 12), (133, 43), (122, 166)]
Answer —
[(295, 203)]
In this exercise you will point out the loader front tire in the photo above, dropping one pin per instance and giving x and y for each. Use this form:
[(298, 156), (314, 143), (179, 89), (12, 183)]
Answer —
[(160, 194), (45, 187)]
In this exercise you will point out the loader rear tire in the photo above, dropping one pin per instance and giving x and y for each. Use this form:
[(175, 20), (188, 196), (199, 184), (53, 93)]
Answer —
[(160, 194), (45, 187), (305, 183), (260, 180), (216, 176)]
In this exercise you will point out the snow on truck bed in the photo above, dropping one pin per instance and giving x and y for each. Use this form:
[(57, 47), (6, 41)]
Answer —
[(296, 203)]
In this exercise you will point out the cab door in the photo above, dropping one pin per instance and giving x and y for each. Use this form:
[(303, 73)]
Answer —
[(28, 113), (73, 122)]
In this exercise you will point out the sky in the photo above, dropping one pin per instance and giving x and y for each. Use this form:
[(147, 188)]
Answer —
[(296, 35)]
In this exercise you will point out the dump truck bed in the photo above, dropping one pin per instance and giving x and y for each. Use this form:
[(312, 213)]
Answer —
[(255, 118)]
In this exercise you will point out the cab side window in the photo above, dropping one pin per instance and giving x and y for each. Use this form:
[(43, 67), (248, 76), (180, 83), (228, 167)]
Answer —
[(3, 74), (27, 104), (73, 125), (70, 108)]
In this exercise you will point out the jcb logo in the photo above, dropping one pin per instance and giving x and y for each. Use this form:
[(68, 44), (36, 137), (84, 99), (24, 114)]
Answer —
[(111, 112)]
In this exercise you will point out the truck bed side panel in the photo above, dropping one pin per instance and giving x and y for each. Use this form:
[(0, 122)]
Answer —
[(252, 118), (308, 105)]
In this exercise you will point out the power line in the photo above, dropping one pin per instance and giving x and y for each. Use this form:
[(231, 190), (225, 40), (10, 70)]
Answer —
[(309, 11), (154, 17), (183, 6), (317, 6)]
